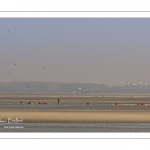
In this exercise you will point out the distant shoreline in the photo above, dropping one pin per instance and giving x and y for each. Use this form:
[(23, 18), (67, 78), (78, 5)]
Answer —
[(75, 95), (73, 88)]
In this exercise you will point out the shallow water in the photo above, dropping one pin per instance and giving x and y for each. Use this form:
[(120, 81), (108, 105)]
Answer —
[(76, 127), (71, 106)]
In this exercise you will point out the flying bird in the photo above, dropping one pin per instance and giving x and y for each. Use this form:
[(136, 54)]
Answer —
[(130, 83), (22, 77), (10, 30), (42, 67), (9, 73)]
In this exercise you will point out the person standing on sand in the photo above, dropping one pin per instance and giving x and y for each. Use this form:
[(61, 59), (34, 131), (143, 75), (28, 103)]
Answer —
[(58, 101)]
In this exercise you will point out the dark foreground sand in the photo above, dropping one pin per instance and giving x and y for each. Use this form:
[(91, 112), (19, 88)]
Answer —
[(77, 116)]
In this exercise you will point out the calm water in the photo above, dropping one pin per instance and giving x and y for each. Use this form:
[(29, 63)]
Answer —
[(71, 106), (76, 127)]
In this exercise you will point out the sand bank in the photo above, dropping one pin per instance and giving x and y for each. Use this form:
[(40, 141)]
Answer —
[(77, 116)]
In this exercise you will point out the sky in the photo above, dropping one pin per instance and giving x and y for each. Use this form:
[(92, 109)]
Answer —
[(87, 50)]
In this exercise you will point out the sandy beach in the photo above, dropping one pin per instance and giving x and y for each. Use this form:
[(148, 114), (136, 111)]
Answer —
[(77, 116)]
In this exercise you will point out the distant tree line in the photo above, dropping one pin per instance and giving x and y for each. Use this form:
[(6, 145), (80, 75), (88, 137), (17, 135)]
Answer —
[(53, 87)]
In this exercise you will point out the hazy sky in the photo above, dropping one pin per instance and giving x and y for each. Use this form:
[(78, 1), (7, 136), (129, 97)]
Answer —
[(83, 50)]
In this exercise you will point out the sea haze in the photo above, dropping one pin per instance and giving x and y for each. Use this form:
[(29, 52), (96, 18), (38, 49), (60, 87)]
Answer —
[(87, 50)]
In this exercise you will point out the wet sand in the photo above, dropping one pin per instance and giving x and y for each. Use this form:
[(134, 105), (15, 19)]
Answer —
[(77, 116), (4, 98)]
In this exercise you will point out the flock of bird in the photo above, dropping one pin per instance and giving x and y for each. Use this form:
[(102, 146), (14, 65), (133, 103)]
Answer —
[(9, 73), (22, 77), (130, 83), (123, 83)]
